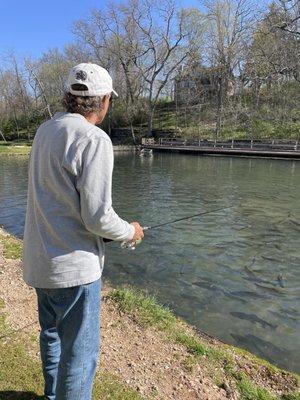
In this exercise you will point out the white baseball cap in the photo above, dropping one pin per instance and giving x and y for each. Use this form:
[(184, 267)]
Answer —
[(97, 80)]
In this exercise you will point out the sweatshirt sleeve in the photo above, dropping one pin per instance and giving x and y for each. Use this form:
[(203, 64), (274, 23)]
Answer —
[(94, 185)]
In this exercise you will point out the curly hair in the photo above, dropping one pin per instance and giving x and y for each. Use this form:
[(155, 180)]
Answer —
[(83, 105)]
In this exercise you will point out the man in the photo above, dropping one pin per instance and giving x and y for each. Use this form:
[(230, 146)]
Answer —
[(69, 212)]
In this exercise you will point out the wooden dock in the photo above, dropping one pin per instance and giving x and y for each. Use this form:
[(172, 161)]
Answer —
[(247, 148)]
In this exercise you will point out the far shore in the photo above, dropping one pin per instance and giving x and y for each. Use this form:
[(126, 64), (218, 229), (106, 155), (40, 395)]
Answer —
[(17, 148)]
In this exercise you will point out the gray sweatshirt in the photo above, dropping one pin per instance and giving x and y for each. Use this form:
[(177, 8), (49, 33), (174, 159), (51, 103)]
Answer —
[(69, 205)]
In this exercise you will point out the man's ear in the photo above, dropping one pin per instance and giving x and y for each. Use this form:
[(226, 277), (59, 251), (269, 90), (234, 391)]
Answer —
[(105, 97)]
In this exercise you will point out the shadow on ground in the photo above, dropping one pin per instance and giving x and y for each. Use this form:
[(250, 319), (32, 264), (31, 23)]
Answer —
[(12, 395)]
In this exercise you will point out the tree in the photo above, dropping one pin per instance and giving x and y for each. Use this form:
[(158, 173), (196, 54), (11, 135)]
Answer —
[(37, 87), (52, 72), (148, 39), (230, 23), (20, 91), (290, 16)]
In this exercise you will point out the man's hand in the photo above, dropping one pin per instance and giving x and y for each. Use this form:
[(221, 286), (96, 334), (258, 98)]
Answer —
[(139, 233)]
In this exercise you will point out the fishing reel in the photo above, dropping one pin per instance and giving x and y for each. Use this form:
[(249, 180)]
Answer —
[(132, 244)]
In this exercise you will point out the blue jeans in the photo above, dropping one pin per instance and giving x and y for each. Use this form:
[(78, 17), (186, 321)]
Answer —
[(69, 340)]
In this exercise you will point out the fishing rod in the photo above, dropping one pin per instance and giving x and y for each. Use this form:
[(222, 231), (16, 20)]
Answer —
[(146, 228), (132, 245)]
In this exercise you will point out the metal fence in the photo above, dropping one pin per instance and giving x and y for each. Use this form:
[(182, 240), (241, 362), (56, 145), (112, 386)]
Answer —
[(279, 145)]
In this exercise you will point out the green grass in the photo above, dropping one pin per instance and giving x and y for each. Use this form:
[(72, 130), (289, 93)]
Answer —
[(14, 147), (21, 375), (192, 344), (146, 310), (108, 386), (249, 391), (19, 372), (291, 396), (12, 247)]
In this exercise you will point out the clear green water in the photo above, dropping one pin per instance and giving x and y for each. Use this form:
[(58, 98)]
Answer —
[(233, 274)]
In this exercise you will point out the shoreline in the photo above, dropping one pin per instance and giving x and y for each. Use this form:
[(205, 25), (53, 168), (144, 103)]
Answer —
[(146, 347), (22, 150)]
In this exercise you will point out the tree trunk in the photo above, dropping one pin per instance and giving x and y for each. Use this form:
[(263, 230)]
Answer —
[(2, 135), (16, 122), (132, 133), (219, 108), (150, 119)]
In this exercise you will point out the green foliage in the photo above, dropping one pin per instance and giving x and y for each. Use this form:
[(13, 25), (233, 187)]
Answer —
[(7, 126), (233, 133), (262, 129), (288, 130)]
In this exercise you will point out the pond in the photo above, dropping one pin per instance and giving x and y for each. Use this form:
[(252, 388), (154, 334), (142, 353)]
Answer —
[(233, 274)]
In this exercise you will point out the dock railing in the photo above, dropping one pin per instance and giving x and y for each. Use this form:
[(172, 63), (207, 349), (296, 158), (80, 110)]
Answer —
[(254, 144)]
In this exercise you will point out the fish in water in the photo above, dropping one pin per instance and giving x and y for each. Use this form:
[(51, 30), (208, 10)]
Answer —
[(252, 277), (210, 286), (207, 285), (293, 221), (253, 318), (280, 280), (270, 288), (263, 348), (270, 258), (245, 293)]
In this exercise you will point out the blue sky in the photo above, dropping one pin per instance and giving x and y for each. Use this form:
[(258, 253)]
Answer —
[(31, 27)]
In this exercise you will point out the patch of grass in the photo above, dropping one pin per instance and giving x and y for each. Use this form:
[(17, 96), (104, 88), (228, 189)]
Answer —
[(21, 376), (189, 363), (12, 247), (108, 386), (192, 344), (249, 391), (19, 372), (146, 310), (290, 396), (14, 148)]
